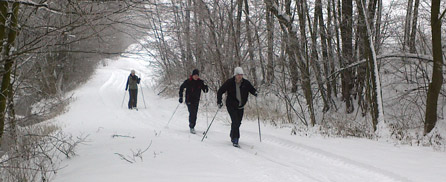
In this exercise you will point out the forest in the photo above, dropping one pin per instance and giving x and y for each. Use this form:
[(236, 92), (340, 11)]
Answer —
[(339, 68)]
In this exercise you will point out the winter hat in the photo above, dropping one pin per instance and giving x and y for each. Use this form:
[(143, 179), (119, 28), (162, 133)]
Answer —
[(238, 71), (133, 71), (195, 72)]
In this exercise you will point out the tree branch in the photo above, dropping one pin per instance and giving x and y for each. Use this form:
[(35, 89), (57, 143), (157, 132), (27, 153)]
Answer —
[(442, 14), (393, 55)]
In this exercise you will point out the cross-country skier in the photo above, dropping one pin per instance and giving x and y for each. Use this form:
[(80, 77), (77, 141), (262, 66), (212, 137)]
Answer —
[(237, 89), (132, 86), (194, 85)]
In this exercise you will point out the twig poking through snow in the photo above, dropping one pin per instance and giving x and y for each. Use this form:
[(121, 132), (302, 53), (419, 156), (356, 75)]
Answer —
[(138, 154), (124, 136)]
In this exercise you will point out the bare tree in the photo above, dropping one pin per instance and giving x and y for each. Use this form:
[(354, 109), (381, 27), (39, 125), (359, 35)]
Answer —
[(48, 49), (347, 53), (437, 70), (6, 87), (327, 58), (316, 51), (372, 75), (270, 45), (412, 39), (293, 51)]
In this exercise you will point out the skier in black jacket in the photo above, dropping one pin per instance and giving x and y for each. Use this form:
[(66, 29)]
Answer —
[(132, 86), (193, 87), (237, 89)]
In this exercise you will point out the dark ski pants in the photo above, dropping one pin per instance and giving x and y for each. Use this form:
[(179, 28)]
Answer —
[(193, 110), (133, 98), (236, 118)]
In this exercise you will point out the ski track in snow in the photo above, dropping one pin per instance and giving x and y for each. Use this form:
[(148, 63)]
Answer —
[(266, 161), (310, 153)]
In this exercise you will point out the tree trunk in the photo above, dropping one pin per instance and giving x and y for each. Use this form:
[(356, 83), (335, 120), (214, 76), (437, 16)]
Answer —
[(198, 25), (437, 71), (378, 26), (303, 62), (327, 49), (323, 33), (6, 77), (407, 25), (263, 65), (250, 45), (4, 89), (237, 33), (373, 91), (11, 111), (270, 45), (187, 34), (335, 32), (293, 51), (294, 66), (412, 48), (347, 53)]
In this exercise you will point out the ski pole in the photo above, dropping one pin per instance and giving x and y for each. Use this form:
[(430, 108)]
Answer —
[(173, 114), (258, 120), (122, 103), (205, 133), (207, 104), (143, 96)]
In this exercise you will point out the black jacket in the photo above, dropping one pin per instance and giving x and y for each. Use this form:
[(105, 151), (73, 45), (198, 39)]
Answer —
[(231, 99), (193, 89)]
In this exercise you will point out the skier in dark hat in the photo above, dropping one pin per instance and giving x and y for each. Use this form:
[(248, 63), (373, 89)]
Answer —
[(194, 85)]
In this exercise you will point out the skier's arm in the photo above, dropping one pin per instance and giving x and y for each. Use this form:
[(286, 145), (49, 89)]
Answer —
[(182, 88), (252, 90), (221, 91)]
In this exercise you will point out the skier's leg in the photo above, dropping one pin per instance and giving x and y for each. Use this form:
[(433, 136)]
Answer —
[(235, 123), (193, 110), (239, 122), (130, 99), (135, 96)]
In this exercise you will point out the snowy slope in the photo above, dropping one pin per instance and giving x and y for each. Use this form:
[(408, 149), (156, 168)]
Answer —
[(176, 155)]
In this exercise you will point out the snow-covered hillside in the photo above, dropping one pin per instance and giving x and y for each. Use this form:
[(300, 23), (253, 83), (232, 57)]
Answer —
[(115, 134)]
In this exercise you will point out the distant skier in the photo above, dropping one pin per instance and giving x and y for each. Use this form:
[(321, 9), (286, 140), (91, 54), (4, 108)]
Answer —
[(237, 89), (132, 86), (193, 87)]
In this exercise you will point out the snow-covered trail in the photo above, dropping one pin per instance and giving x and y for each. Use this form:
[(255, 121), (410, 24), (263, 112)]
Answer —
[(176, 155)]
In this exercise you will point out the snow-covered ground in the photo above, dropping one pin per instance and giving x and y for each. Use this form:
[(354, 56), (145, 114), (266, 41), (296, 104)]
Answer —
[(173, 154)]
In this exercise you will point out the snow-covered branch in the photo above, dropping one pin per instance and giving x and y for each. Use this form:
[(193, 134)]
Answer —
[(43, 6), (282, 17), (37, 5), (425, 58), (26, 2)]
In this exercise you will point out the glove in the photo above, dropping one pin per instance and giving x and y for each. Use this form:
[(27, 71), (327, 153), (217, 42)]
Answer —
[(139, 79), (181, 100), (219, 104), (206, 89), (255, 94)]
